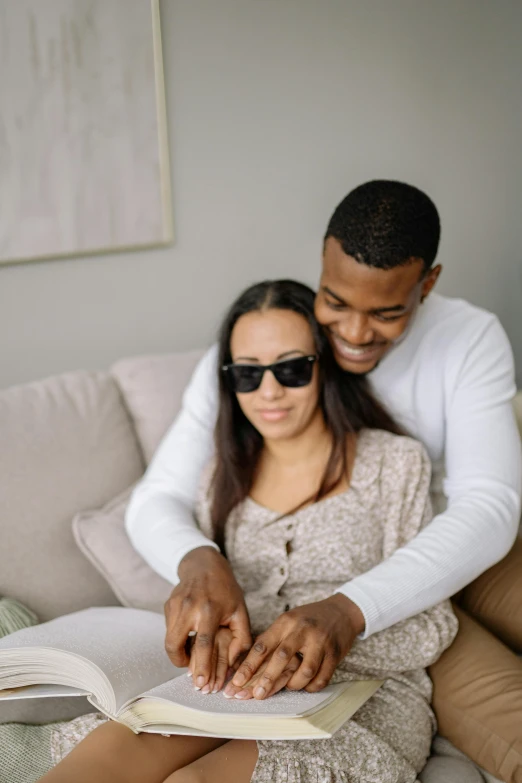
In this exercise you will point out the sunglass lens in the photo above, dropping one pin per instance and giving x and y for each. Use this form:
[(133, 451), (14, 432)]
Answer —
[(294, 372), (245, 378)]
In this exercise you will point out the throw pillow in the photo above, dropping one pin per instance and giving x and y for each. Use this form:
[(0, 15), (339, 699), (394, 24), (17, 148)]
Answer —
[(102, 538)]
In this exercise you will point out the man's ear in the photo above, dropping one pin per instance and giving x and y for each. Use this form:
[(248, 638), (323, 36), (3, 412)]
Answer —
[(428, 284)]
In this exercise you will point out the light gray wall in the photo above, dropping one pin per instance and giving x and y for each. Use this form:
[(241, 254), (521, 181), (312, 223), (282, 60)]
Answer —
[(277, 108)]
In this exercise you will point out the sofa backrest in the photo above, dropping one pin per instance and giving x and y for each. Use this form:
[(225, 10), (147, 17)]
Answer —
[(72, 443), (66, 445), (152, 388)]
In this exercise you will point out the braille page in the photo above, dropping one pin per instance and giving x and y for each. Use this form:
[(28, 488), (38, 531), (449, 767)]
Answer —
[(288, 704), (127, 645)]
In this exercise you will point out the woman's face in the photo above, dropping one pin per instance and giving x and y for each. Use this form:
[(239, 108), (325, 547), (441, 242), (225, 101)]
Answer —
[(276, 411)]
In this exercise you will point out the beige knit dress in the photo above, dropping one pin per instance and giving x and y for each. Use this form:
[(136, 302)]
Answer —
[(301, 558), (304, 557)]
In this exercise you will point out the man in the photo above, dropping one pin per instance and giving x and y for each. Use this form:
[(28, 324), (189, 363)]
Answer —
[(444, 369)]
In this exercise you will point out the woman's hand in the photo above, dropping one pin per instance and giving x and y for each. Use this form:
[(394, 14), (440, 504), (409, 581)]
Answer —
[(206, 598), (319, 634)]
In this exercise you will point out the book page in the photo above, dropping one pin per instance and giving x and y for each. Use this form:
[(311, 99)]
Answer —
[(126, 644), (283, 704), (39, 692)]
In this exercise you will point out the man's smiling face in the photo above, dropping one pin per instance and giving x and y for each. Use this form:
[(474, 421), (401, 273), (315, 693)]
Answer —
[(364, 309)]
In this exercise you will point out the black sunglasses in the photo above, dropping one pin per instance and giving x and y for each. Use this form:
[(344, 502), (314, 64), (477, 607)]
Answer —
[(244, 378)]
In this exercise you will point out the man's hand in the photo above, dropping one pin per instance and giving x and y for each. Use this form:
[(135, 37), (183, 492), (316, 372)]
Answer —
[(247, 691), (206, 598), (320, 634), (220, 661)]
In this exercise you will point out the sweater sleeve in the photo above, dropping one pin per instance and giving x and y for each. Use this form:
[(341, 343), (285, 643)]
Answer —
[(483, 487), (160, 518), (416, 642)]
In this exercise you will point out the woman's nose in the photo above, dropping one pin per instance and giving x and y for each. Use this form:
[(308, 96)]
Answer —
[(270, 389), (355, 329)]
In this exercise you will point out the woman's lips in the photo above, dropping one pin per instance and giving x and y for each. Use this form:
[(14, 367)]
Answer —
[(361, 355), (276, 414)]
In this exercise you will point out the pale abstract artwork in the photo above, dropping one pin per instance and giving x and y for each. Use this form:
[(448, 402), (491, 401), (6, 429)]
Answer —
[(83, 141)]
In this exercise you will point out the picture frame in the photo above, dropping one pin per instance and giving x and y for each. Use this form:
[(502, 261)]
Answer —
[(84, 147)]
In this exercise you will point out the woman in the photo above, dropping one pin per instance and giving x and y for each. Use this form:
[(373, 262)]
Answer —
[(311, 484)]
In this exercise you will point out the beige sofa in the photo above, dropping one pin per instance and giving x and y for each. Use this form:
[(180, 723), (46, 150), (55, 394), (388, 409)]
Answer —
[(69, 444)]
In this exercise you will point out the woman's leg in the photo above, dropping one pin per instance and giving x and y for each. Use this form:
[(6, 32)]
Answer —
[(495, 599), (235, 761), (113, 754), (477, 698)]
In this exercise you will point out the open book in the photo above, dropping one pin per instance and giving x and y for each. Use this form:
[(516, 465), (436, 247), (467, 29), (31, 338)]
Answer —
[(116, 657)]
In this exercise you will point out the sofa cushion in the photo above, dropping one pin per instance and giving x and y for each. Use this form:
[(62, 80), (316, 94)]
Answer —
[(102, 537), (441, 749), (67, 444), (152, 387)]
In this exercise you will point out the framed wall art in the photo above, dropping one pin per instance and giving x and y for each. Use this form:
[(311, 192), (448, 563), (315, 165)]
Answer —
[(84, 163)]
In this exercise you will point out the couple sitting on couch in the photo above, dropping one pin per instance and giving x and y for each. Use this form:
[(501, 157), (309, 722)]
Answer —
[(312, 483)]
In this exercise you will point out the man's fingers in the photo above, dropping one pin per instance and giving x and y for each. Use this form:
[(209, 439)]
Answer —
[(237, 653), (279, 661), (203, 651), (248, 691), (310, 665), (324, 675), (261, 649), (213, 665), (242, 638), (221, 665), (176, 641)]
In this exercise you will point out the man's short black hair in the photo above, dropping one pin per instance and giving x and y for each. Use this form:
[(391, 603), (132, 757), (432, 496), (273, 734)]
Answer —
[(384, 223)]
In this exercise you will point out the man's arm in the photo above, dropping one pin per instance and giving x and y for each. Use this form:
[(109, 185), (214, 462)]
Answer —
[(483, 486), (159, 520)]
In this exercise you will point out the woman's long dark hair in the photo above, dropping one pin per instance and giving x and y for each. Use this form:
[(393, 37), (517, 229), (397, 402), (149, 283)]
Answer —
[(345, 399)]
